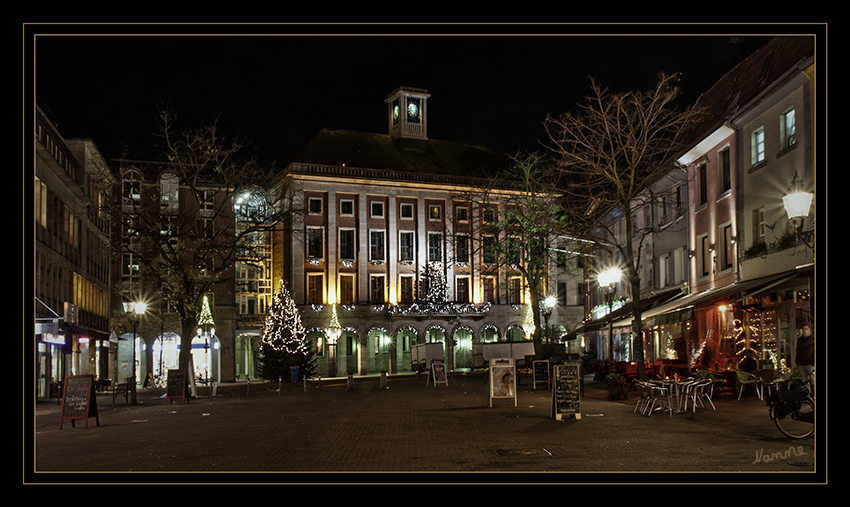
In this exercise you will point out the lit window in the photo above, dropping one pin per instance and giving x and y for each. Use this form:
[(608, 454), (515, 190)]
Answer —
[(788, 129), (758, 145)]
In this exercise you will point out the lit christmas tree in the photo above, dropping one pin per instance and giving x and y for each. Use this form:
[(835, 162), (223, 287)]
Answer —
[(435, 286), (284, 342)]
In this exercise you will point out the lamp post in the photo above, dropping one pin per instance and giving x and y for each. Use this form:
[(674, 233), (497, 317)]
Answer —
[(606, 280), (138, 310), (333, 331), (797, 203), (547, 306)]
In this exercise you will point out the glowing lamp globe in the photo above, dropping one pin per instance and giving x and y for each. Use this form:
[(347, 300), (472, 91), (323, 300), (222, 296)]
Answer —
[(797, 204)]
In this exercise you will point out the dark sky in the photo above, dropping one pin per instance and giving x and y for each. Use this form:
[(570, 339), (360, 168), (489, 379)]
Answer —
[(277, 91)]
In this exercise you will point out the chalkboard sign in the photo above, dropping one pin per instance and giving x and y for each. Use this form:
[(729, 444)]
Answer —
[(176, 386), (541, 373), (438, 370), (566, 390), (79, 400)]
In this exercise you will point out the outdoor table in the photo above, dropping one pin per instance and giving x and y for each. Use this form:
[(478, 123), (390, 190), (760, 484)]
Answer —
[(673, 387), (728, 377)]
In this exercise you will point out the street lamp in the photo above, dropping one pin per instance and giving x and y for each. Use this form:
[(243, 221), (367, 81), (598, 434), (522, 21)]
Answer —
[(548, 305), (333, 331), (606, 280), (797, 203), (138, 310)]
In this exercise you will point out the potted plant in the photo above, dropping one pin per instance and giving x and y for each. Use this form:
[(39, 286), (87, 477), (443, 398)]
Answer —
[(616, 386)]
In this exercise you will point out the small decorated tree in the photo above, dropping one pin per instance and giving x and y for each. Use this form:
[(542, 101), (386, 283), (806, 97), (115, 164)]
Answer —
[(284, 342)]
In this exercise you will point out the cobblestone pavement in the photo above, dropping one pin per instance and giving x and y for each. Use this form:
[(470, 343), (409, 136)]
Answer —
[(327, 433)]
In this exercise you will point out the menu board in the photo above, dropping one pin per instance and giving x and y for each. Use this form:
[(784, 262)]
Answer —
[(438, 369), (502, 379), (566, 390), (176, 386), (79, 400), (541, 373)]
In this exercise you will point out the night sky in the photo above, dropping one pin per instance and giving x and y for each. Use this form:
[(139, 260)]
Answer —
[(277, 91)]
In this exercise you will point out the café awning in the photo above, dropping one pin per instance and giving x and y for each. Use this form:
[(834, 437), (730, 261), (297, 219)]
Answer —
[(622, 316), (682, 308)]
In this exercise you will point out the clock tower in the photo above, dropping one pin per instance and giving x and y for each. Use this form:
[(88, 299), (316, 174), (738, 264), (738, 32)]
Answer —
[(408, 113)]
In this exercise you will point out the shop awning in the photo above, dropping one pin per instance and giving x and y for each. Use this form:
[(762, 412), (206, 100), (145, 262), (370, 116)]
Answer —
[(622, 316), (682, 308)]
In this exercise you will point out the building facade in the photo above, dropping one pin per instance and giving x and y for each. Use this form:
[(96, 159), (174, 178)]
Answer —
[(385, 226), (72, 278), (746, 276)]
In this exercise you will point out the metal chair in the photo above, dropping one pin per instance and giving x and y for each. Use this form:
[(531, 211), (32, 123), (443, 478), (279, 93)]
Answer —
[(744, 379)]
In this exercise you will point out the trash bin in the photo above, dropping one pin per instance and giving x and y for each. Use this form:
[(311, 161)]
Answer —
[(294, 371)]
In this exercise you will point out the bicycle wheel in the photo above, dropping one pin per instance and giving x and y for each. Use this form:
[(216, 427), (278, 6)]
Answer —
[(800, 423)]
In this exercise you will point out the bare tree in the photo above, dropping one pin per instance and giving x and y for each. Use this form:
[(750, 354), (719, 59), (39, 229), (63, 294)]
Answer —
[(520, 219), (608, 154), (188, 242)]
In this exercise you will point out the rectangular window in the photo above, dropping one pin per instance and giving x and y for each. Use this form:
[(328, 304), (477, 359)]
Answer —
[(346, 289), (663, 271), (725, 171), (376, 245), (726, 252), (702, 185), (407, 211), (376, 209), (489, 289), (462, 248), (515, 291), (758, 225), (462, 294), (435, 212), (377, 289), (406, 290), (462, 215), (490, 250), (704, 258), (346, 207), (757, 146), (315, 289), (406, 246), (315, 243), (788, 129), (315, 206), (347, 245), (435, 247)]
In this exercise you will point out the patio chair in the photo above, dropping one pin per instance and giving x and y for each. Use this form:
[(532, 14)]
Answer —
[(744, 379)]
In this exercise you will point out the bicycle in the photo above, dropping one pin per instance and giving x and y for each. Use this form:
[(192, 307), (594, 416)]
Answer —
[(793, 409)]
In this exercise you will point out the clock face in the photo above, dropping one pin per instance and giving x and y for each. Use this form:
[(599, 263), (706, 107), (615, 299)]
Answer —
[(395, 112), (413, 110)]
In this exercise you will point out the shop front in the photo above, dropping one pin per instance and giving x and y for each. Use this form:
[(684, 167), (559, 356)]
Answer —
[(717, 328)]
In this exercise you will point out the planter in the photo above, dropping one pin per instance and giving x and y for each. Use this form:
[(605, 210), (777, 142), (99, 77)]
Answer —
[(617, 388)]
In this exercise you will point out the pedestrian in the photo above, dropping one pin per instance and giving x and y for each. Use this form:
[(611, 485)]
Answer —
[(805, 354)]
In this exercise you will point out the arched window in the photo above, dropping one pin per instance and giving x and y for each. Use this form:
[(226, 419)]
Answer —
[(251, 205), (131, 187)]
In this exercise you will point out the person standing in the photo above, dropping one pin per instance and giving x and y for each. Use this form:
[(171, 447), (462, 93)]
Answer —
[(805, 354)]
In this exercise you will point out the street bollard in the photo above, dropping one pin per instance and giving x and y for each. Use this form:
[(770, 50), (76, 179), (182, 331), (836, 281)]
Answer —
[(350, 386), (383, 380)]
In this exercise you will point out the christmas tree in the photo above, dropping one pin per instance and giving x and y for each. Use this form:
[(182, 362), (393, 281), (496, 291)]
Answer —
[(284, 342), (434, 288)]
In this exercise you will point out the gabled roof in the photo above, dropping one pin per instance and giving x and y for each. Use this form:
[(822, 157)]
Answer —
[(406, 158), (744, 82)]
